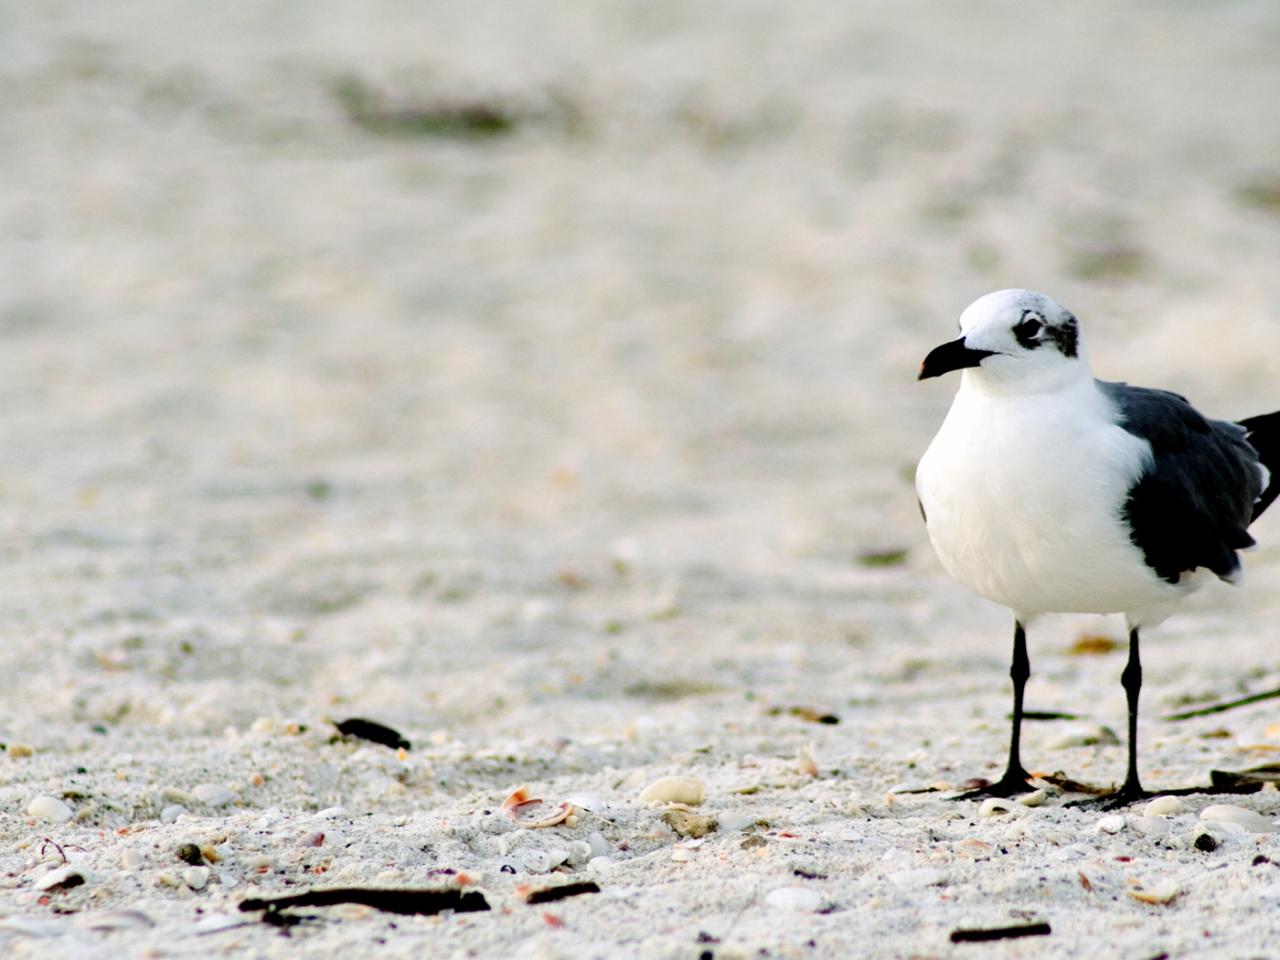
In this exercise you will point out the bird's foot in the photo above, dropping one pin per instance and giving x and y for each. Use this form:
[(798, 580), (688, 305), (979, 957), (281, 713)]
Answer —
[(1126, 796), (1013, 783)]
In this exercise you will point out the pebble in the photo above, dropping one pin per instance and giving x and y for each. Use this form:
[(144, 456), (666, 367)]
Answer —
[(919, 877), (174, 795), (687, 790), (730, 822), (599, 845), (195, 877), (213, 794), (1163, 807), (802, 899), (687, 824), (50, 809), (995, 807), (190, 853), (172, 812), (1229, 813), (1151, 826), (1111, 824)]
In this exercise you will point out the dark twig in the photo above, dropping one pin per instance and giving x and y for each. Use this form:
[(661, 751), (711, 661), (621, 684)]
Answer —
[(562, 892), (1223, 707), (1000, 933), (425, 902)]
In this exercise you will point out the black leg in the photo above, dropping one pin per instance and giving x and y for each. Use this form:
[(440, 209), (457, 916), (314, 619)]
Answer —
[(1132, 790), (1015, 777)]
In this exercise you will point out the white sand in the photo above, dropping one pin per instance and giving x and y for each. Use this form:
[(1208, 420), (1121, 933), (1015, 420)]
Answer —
[(555, 451)]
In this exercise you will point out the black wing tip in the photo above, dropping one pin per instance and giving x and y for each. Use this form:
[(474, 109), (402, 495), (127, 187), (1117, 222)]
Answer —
[(1263, 434)]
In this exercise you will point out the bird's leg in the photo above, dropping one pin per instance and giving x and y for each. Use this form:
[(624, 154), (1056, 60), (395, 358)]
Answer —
[(1131, 791), (1015, 777)]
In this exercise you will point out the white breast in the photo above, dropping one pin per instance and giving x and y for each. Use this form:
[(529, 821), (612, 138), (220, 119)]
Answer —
[(1024, 496)]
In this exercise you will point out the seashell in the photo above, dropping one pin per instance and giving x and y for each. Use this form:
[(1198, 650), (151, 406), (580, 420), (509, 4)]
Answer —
[(49, 808), (918, 877), (196, 877), (114, 920), (801, 899), (586, 801), (532, 812), (1163, 807), (682, 855), (805, 762), (599, 845), (1159, 894), (1033, 799), (536, 861), (1229, 813), (62, 879), (1111, 824), (995, 807), (674, 790)]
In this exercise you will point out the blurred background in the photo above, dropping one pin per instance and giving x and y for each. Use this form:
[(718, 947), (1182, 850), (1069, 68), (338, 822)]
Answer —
[(450, 360)]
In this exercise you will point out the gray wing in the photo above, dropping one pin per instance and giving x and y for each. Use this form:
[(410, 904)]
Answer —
[(1193, 506)]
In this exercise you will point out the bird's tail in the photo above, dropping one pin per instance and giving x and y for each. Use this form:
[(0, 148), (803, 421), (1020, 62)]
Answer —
[(1263, 434)]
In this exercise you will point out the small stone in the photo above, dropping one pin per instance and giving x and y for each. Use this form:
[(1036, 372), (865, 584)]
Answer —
[(601, 864), (800, 899), (729, 822), (1111, 824), (213, 794), (172, 812), (167, 878), (1163, 807), (49, 809), (1229, 813), (174, 795), (1206, 842), (1151, 826), (995, 807), (599, 845), (190, 853), (686, 824), (687, 790), (195, 877)]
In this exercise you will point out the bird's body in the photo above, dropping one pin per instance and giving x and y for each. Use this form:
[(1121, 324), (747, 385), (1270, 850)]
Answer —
[(1048, 491), (1013, 489)]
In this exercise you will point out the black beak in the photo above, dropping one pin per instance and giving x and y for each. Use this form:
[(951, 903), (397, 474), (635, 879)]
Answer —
[(951, 356)]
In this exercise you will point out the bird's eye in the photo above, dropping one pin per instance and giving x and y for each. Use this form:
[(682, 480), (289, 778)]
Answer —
[(1028, 327)]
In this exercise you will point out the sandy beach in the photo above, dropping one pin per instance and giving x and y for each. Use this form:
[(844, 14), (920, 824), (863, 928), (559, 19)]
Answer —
[(538, 380)]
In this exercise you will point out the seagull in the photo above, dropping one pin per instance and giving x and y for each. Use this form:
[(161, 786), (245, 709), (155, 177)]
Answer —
[(1049, 491)]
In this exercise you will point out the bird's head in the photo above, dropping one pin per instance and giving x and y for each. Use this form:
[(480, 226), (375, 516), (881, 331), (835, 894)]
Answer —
[(1015, 339)]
